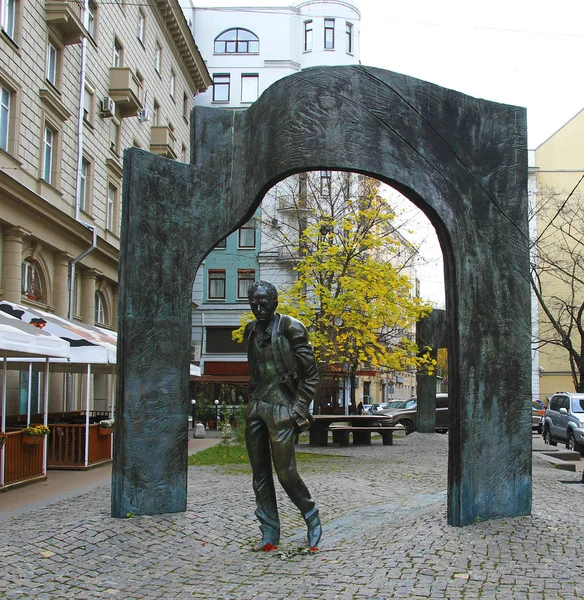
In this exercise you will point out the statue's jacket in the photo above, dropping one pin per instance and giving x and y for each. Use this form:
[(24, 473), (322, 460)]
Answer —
[(294, 359)]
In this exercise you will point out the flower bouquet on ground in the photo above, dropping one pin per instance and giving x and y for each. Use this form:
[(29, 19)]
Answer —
[(106, 427), (34, 434)]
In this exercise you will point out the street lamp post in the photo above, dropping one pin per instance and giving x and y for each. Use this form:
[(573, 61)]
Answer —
[(217, 412), (194, 404)]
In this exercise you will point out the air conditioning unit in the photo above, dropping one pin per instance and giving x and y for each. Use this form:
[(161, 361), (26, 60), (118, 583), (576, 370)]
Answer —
[(108, 107), (143, 115)]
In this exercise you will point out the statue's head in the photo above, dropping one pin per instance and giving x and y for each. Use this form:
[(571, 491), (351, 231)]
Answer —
[(263, 301)]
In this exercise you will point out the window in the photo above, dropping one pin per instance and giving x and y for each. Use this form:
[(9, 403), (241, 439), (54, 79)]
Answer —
[(220, 341), (307, 36), (247, 235), (221, 245), (221, 85), (52, 63), (112, 201), (4, 117), (185, 106), (114, 135), (349, 38), (245, 278), (36, 392), (48, 154), (216, 285), (91, 18), (99, 309), (8, 8), (156, 114), (157, 57), (117, 59), (141, 26), (237, 41), (325, 183), (250, 87), (329, 34), (84, 181), (31, 281), (88, 103), (171, 84)]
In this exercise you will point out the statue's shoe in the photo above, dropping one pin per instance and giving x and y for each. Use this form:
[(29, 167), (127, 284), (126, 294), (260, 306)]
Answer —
[(264, 547), (314, 530)]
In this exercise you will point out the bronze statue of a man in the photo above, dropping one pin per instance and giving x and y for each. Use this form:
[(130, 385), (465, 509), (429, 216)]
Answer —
[(283, 381)]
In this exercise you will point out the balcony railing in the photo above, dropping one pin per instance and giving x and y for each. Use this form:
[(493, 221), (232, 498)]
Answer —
[(125, 90), (66, 19), (162, 141)]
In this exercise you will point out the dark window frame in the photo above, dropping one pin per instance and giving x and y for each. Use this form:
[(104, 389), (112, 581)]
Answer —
[(329, 43), (234, 45), (213, 275), (250, 225), (308, 36), (221, 85), (242, 276)]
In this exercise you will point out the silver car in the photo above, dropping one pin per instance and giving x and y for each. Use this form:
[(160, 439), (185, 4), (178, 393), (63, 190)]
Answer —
[(564, 421)]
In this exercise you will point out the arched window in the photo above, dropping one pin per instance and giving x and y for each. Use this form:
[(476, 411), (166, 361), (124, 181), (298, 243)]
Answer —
[(32, 286), (99, 309), (237, 41)]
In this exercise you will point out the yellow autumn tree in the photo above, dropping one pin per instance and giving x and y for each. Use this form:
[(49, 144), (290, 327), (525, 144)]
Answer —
[(353, 291)]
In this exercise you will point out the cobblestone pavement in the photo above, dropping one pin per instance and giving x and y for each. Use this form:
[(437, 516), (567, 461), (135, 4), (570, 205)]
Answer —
[(385, 536)]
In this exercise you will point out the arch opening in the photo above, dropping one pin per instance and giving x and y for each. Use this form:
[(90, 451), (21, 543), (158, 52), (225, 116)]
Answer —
[(461, 159)]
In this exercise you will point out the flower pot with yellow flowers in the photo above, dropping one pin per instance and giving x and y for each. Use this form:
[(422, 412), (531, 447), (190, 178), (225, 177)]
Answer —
[(34, 434)]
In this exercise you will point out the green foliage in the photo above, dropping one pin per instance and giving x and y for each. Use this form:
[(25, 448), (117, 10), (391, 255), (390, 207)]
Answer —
[(230, 454), (353, 291), (238, 434), (221, 454)]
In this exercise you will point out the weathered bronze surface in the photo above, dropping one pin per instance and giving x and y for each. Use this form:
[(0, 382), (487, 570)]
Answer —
[(283, 381), (462, 160)]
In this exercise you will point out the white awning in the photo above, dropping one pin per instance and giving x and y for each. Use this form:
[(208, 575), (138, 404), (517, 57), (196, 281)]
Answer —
[(21, 339), (86, 344)]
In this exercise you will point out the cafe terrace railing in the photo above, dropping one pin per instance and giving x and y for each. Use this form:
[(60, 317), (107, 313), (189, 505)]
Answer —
[(23, 463), (66, 446)]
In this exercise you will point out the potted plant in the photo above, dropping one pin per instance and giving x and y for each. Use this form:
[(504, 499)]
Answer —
[(106, 427), (34, 434), (3, 438)]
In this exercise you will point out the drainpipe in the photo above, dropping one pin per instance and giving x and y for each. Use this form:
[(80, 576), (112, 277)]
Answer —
[(73, 262)]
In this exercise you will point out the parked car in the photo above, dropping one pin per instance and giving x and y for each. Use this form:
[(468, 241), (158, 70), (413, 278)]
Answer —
[(564, 421), (537, 414), (407, 414)]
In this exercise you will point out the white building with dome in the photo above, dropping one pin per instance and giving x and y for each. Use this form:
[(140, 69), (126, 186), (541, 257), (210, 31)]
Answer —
[(247, 48)]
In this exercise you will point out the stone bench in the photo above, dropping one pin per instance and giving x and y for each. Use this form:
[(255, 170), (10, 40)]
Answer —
[(362, 435)]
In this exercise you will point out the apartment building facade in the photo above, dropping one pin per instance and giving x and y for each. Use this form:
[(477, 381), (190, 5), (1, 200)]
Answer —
[(246, 50), (78, 85), (559, 226)]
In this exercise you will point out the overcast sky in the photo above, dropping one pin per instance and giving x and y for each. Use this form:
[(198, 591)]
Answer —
[(523, 52)]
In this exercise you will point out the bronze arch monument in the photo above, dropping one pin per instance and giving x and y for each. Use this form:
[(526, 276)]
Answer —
[(462, 160)]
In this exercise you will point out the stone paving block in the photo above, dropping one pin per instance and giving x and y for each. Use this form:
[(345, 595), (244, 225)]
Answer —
[(385, 536)]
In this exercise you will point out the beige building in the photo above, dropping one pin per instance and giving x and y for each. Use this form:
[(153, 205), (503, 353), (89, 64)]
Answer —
[(559, 167), (77, 88)]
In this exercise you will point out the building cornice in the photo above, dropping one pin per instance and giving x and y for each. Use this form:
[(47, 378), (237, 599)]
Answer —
[(182, 37), (14, 191)]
